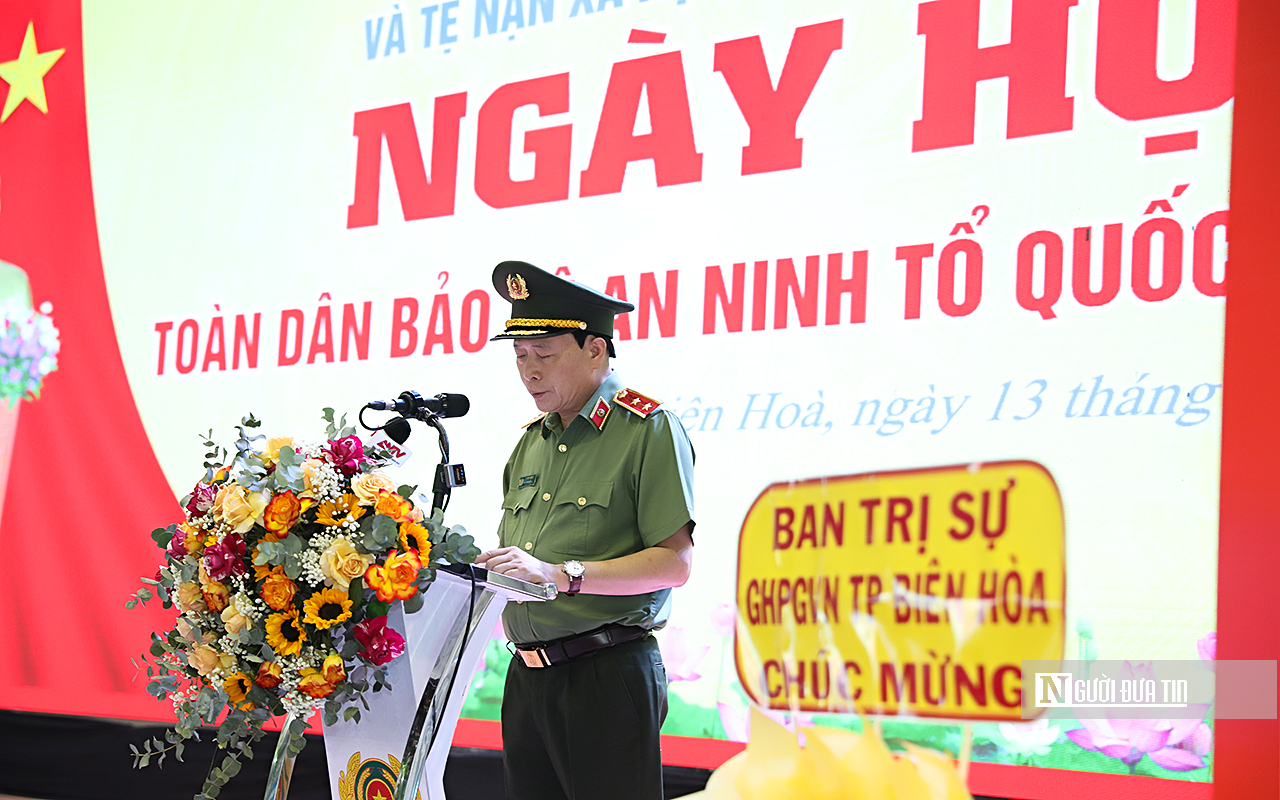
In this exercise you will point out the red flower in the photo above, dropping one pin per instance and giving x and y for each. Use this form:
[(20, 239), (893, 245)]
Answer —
[(226, 558), (378, 643), (347, 454), (177, 545), (201, 499)]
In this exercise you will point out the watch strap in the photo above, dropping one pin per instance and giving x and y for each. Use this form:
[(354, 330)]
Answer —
[(575, 581)]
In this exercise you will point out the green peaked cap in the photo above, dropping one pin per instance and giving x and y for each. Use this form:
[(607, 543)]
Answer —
[(544, 305)]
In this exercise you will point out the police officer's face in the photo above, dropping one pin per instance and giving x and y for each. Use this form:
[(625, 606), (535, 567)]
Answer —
[(559, 375)]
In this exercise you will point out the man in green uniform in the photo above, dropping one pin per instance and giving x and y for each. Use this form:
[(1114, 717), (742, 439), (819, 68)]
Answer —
[(597, 500)]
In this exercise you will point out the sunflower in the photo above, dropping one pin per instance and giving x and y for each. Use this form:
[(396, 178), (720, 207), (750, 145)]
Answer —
[(415, 537), (236, 687), (327, 608), (285, 634), (336, 512)]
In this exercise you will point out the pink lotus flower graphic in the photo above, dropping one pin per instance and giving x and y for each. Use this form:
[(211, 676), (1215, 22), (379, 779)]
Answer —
[(1175, 744), (723, 616), (681, 657), (1207, 646)]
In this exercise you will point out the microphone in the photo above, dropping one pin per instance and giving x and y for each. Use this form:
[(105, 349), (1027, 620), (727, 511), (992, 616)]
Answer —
[(412, 404), (397, 429)]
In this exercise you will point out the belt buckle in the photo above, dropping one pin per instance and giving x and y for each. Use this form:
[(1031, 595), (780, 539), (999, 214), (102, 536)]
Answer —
[(536, 657)]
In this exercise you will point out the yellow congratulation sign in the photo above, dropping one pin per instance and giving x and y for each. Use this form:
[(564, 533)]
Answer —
[(916, 592)]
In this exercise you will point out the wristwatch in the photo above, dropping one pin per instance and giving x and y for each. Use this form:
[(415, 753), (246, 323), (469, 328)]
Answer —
[(575, 571)]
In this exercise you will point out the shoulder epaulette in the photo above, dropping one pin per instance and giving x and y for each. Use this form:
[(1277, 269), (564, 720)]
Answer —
[(533, 421), (636, 403)]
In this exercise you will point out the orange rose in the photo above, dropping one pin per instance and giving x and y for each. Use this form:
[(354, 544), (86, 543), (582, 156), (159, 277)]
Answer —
[(395, 579), (268, 676), (394, 506), (278, 590), (314, 685), (282, 512), (403, 569), (369, 485), (216, 597), (333, 670), (237, 507), (190, 597), (204, 660), (340, 563)]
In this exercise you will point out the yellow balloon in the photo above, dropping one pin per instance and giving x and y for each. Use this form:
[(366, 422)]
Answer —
[(834, 764), (770, 769)]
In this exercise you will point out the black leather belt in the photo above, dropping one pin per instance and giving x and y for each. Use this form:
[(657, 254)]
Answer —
[(540, 655)]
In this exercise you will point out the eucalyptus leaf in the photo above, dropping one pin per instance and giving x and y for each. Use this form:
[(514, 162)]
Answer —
[(162, 536), (386, 533)]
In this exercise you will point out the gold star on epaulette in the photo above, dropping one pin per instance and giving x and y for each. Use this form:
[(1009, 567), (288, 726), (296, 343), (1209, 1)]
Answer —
[(600, 413), (636, 403), (533, 421)]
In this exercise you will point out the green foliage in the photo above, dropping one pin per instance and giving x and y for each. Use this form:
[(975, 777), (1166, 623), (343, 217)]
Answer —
[(162, 536), (336, 430), (214, 455), (458, 547), (383, 533), (283, 553), (288, 472)]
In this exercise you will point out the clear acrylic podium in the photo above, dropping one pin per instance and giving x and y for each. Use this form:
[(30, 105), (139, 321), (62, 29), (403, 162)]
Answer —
[(403, 739)]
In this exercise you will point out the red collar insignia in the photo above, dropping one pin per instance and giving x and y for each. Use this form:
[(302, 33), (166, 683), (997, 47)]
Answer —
[(600, 413)]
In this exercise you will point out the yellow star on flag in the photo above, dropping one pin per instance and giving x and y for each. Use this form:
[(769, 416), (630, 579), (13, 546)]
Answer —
[(25, 75)]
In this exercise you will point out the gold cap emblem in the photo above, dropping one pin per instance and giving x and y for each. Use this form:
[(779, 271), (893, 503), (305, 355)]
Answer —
[(516, 287)]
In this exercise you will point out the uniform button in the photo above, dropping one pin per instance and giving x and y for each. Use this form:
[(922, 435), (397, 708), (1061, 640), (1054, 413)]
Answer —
[(563, 448), (582, 501), (546, 495), (528, 545)]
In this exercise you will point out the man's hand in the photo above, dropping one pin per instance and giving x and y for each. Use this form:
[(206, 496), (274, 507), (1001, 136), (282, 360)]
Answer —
[(518, 564), (664, 566)]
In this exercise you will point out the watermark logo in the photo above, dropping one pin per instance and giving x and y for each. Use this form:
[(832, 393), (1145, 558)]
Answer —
[(1053, 689), (1064, 690), (1163, 690)]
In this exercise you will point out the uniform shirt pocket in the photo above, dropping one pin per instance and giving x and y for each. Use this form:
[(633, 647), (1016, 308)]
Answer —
[(515, 511), (579, 524)]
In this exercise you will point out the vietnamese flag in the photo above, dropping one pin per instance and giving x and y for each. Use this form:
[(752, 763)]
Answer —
[(85, 488)]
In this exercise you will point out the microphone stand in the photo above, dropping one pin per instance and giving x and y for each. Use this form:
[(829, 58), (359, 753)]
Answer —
[(441, 488), (431, 704)]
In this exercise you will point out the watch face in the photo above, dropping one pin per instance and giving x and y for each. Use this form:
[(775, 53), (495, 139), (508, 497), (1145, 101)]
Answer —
[(574, 569)]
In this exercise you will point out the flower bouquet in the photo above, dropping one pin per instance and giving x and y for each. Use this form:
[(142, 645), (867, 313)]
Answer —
[(283, 572), (28, 349)]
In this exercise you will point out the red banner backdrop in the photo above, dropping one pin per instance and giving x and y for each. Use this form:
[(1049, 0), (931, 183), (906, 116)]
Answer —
[(85, 487)]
